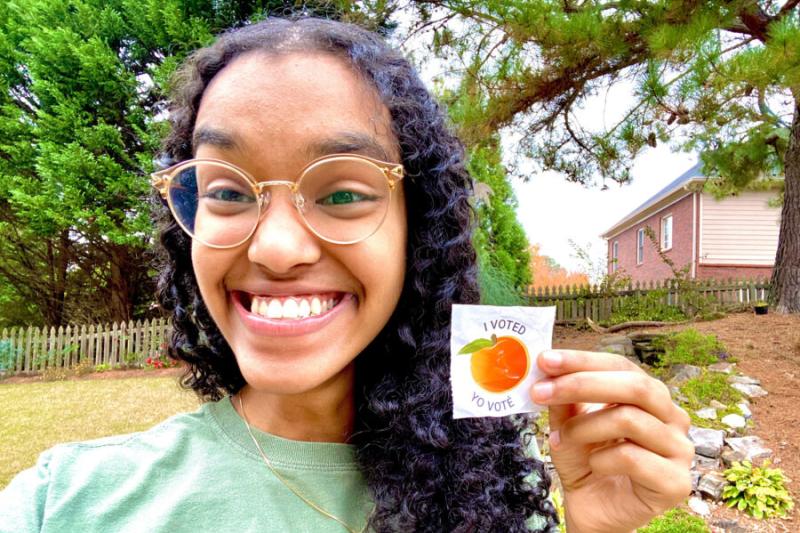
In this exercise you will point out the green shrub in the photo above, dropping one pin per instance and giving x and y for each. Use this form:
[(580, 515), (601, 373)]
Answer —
[(758, 491), (675, 521), (496, 287), (690, 347), (647, 306), (102, 367), (709, 386)]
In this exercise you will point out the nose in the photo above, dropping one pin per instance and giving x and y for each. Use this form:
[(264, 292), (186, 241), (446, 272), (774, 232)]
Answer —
[(282, 241)]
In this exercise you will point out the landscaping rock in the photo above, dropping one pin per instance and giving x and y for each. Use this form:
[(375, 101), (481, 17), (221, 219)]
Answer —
[(716, 404), (729, 457), (615, 339), (748, 448), (724, 368), (698, 506), (704, 464), (707, 413), (695, 479), (682, 373), (734, 421), (749, 390), (729, 526), (745, 409), (619, 349), (744, 380), (711, 484), (707, 442)]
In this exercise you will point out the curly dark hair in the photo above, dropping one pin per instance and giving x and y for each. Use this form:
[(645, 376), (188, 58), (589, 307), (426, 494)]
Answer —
[(426, 471)]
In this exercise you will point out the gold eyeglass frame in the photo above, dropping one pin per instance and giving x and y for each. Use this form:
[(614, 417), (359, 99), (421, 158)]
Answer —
[(162, 179)]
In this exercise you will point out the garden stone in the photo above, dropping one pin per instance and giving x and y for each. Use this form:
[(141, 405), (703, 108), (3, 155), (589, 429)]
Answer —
[(698, 506), (711, 484), (704, 464), (745, 409), (729, 526), (748, 448), (695, 479), (682, 373), (615, 339), (723, 368), (619, 349), (744, 380), (707, 413), (716, 404), (707, 442), (734, 421), (729, 457), (751, 391)]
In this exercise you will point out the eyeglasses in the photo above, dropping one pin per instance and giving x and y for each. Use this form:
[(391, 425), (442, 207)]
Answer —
[(341, 198)]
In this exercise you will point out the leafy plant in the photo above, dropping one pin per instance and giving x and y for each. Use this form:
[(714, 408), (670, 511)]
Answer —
[(758, 491), (647, 306), (690, 347), (675, 521), (161, 361), (83, 367), (102, 367), (558, 503)]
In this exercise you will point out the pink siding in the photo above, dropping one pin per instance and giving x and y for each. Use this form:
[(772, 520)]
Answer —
[(652, 267)]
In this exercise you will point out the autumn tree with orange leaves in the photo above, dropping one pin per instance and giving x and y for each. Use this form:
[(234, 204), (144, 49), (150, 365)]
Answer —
[(547, 272)]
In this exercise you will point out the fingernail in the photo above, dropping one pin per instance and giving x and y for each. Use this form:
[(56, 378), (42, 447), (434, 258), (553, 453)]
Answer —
[(554, 439), (543, 390), (552, 358)]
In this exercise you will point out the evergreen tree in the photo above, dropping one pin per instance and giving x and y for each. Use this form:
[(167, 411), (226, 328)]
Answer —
[(82, 112), (721, 78)]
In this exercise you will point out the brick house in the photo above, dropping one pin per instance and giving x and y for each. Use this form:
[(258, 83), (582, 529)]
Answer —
[(735, 237)]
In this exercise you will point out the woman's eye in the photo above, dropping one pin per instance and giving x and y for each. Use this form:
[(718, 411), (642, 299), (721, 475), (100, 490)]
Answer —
[(229, 195), (343, 197)]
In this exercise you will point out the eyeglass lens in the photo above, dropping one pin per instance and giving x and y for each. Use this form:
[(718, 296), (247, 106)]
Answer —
[(343, 200)]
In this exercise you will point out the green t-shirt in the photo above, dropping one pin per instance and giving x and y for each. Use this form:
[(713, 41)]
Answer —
[(194, 472)]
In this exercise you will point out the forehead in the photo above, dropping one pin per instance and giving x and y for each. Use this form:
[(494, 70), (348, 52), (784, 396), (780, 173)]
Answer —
[(295, 104)]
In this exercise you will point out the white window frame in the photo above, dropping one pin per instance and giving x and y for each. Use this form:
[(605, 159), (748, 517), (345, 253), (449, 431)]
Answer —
[(666, 244), (614, 256), (640, 246)]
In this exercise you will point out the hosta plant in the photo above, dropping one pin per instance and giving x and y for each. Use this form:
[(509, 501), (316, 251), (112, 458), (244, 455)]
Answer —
[(758, 491)]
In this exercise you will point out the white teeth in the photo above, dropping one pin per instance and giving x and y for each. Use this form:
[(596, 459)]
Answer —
[(290, 309), (275, 309)]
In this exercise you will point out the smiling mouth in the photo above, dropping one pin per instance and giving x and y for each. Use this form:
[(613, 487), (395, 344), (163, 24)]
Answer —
[(289, 307)]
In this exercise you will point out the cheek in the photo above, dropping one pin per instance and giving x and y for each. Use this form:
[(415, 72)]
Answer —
[(209, 269)]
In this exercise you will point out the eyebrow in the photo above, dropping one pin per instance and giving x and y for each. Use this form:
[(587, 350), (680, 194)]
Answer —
[(214, 137), (348, 142), (345, 142)]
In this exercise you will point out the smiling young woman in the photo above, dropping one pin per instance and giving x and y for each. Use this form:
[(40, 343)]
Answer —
[(317, 230)]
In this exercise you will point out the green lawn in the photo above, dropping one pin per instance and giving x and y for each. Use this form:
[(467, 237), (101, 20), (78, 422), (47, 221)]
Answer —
[(35, 416)]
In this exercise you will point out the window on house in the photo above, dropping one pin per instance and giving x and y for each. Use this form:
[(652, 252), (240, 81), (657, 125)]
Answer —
[(614, 256), (666, 232), (640, 246)]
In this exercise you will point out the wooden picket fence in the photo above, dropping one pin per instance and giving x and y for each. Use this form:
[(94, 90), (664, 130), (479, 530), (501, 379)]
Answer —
[(577, 303), (33, 349)]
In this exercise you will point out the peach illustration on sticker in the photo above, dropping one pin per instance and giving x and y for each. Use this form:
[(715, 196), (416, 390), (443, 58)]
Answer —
[(497, 364)]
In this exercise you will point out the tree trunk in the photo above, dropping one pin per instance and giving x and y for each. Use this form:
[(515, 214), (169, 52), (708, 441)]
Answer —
[(120, 287), (58, 263), (786, 275)]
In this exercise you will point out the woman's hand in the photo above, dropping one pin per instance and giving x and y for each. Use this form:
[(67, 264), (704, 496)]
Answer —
[(616, 439)]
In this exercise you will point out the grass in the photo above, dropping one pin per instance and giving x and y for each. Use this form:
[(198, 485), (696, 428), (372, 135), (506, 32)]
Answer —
[(38, 415), (675, 521)]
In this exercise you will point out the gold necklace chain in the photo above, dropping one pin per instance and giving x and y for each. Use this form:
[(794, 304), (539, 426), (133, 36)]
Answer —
[(289, 485)]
